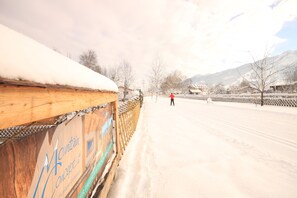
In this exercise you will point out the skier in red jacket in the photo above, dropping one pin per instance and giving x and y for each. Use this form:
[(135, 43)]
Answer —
[(172, 99)]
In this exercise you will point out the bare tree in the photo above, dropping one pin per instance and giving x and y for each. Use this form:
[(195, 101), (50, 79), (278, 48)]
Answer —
[(89, 59), (173, 82), (113, 73), (220, 88), (127, 76), (291, 79), (244, 83), (263, 74), (68, 54), (104, 71), (156, 76)]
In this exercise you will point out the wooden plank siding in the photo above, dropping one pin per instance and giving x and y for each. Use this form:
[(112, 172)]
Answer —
[(21, 105)]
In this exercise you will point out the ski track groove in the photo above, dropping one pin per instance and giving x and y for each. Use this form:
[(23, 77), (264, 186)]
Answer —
[(252, 131), (244, 146), (264, 135)]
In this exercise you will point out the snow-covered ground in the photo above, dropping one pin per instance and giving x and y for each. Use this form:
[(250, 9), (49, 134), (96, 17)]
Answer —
[(195, 149)]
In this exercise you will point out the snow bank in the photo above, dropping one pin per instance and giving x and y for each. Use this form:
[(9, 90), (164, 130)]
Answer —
[(22, 58)]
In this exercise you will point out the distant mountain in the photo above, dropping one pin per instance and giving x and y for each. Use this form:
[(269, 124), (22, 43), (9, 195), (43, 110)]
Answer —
[(234, 76)]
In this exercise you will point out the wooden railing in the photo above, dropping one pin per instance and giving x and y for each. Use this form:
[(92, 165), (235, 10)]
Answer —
[(128, 118)]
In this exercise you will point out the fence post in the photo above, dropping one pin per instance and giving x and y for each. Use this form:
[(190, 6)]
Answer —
[(117, 129)]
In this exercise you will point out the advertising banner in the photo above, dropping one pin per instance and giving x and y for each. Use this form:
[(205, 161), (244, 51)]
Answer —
[(60, 162)]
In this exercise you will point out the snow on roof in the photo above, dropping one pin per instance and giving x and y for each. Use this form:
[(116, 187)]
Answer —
[(22, 58)]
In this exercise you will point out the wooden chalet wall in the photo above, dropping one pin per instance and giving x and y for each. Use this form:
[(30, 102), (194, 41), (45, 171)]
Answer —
[(38, 165)]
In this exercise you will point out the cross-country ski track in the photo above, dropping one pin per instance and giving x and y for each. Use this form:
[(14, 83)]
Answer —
[(199, 149)]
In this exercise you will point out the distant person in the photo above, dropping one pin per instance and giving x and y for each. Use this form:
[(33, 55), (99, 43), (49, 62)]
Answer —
[(171, 99)]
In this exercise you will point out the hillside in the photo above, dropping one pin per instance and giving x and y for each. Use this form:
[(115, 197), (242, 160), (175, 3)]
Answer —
[(234, 76)]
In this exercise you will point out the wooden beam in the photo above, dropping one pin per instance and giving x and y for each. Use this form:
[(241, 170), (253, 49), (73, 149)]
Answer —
[(21, 105), (117, 128)]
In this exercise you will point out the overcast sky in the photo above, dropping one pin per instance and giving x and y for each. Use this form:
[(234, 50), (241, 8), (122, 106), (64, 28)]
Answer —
[(194, 36)]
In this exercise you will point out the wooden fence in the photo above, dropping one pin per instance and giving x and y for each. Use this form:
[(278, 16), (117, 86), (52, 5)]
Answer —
[(128, 118), (126, 123)]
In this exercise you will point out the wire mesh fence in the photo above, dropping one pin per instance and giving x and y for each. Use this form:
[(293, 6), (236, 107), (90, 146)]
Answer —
[(279, 100)]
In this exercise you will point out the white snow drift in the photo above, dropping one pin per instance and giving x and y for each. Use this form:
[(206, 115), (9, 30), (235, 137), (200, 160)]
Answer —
[(22, 58)]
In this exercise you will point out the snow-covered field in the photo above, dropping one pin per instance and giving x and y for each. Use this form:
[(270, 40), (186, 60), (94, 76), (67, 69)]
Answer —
[(195, 149)]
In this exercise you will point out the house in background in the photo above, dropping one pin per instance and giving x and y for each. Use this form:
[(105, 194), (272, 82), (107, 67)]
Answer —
[(198, 89), (287, 88), (129, 93), (195, 91)]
